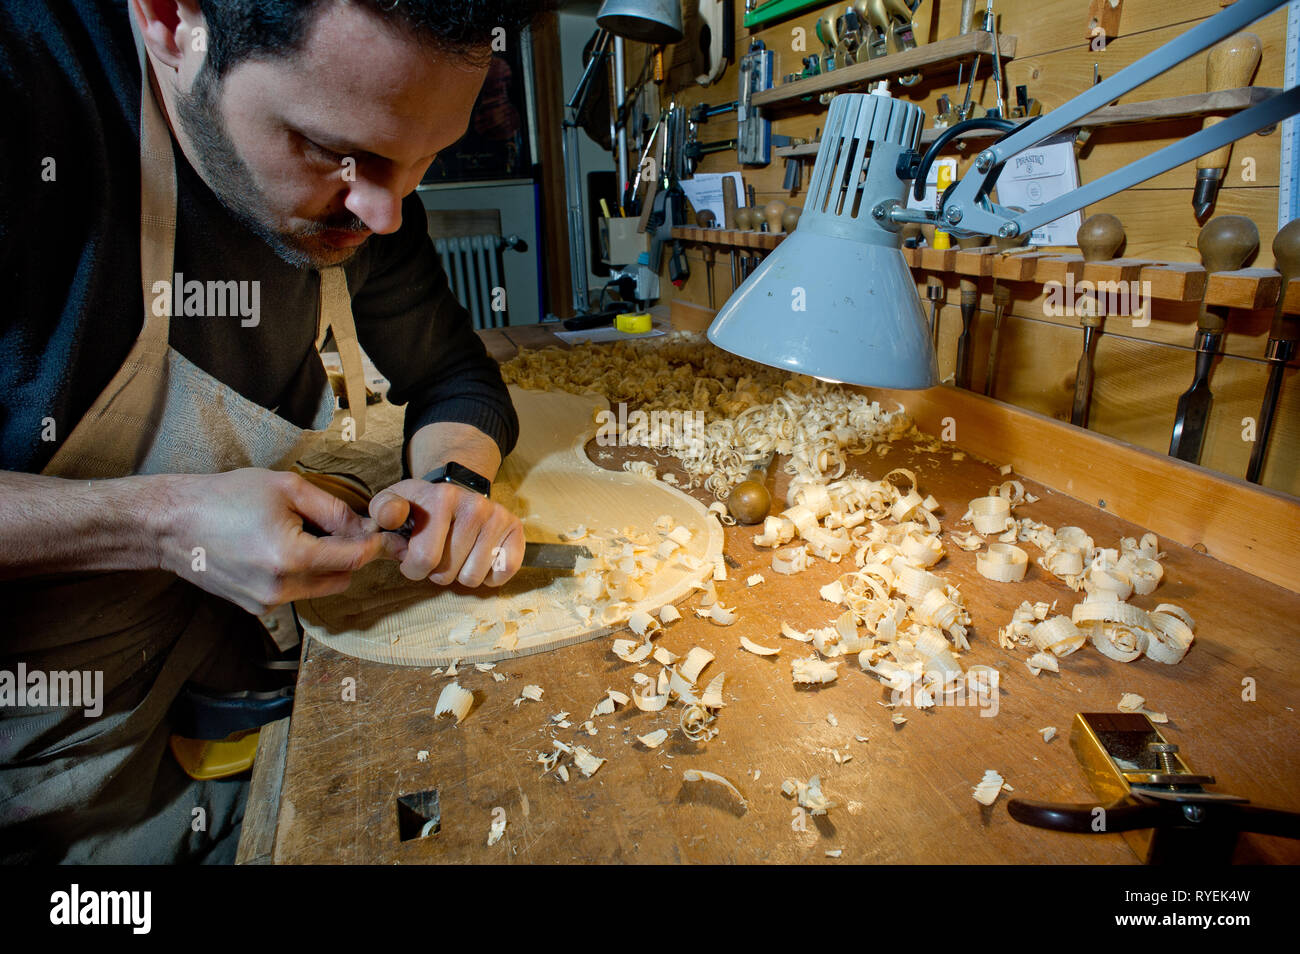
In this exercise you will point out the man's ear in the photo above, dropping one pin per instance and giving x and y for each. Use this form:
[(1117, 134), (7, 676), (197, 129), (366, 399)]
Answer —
[(174, 31)]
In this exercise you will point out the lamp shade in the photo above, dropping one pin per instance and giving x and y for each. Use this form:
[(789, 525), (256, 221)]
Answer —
[(649, 21), (836, 299)]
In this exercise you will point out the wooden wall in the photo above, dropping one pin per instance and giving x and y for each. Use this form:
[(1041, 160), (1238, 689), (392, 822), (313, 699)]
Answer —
[(1140, 371)]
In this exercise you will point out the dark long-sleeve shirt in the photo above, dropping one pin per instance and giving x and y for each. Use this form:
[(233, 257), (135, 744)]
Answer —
[(71, 301)]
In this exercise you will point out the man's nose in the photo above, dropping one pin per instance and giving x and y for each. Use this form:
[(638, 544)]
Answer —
[(378, 205)]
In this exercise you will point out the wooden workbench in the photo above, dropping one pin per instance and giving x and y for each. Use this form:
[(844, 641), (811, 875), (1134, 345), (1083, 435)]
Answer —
[(905, 795)]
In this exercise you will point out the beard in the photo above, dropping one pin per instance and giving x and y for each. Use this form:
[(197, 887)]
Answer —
[(232, 182)]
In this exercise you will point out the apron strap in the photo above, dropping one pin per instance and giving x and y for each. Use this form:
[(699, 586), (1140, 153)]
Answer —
[(157, 208), (336, 314)]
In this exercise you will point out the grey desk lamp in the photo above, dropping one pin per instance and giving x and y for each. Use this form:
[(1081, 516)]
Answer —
[(836, 299)]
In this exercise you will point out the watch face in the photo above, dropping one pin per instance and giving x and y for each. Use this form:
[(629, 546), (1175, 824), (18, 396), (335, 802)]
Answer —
[(458, 473)]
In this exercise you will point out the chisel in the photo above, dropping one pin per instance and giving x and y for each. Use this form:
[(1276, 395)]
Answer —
[(1282, 339), (1099, 238), (729, 203), (1001, 301), (934, 293), (542, 556), (970, 300), (1229, 65), (705, 219), (1225, 244)]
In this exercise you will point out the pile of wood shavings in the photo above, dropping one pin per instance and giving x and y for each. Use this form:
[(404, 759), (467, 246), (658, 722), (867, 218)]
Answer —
[(749, 410)]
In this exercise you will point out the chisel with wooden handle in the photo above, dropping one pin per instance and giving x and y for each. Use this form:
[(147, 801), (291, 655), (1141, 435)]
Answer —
[(1282, 338), (1225, 244), (1001, 302), (1229, 65), (969, 301), (1099, 238)]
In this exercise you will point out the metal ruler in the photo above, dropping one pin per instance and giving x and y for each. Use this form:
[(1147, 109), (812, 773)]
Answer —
[(1288, 198)]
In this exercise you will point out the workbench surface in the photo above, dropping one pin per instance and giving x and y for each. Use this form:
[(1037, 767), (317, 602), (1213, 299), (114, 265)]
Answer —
[(903, 797)]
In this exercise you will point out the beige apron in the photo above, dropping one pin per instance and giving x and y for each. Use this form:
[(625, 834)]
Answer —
[(76, 788)]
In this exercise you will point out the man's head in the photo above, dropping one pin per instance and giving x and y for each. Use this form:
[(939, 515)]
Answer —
[(311, 120)]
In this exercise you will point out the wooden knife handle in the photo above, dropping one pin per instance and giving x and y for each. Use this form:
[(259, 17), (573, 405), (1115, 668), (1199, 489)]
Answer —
[(1230, 64)]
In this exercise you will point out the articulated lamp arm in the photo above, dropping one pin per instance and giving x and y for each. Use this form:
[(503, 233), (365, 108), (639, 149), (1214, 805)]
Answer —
[(968, 210)]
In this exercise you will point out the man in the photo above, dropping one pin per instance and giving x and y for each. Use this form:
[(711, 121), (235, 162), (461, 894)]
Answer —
[(284, 139)]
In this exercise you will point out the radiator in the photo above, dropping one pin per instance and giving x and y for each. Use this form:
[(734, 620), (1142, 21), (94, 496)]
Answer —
[(475, 271)]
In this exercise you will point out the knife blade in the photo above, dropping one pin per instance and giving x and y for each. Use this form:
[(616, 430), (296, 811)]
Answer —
[(541, 556)]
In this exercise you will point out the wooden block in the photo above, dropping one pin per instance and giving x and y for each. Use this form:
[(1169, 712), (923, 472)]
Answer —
[(938, 259), (1175, 281), (1019, 267), (912, 256), (688, 316), (1056, 268), (976, 261), (1245, 288), (1292, 304), (1115, 270)]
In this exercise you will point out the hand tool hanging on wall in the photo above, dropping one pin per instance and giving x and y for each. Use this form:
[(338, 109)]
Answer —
[(706, 220), (716, 40), (668, 207), (1001, 302), (753, 132), (1229, 65), (1282, 338), (1225, 244), (991, 27), (964, 72), (729, 209), (970, 302), (934, 294), (1099, 238)]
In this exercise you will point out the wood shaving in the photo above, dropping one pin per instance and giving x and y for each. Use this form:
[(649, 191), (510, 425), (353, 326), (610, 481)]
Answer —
[(989, 788), (697, 775), (529, 692), (756, 649), (754, 579), (498, 828), (813, 671), (834, 852), (722, 615), (1002, 563), (563, 773), (1042, 660), (422, 755), (498, 677), (808, 794), (652, 740), (585, 762), (696, 723), (1048, 733), (669, 614), (899, 720), (712, 697), (694, 664), (454, 701)]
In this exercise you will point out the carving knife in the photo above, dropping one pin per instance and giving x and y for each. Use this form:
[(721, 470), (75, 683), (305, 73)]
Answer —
[(1099, 238)]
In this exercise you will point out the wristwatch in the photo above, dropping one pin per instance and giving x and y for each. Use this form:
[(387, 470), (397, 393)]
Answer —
[(454, 473)]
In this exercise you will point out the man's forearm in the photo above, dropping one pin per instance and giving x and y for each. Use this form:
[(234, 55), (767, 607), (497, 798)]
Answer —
[(435, 444), (52, 525)]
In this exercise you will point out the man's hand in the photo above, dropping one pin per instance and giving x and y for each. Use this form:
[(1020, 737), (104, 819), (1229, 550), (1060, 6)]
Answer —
[(459, 536), (256, 552)]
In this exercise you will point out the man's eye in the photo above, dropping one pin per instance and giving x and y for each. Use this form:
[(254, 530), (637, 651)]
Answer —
[(327, 154)]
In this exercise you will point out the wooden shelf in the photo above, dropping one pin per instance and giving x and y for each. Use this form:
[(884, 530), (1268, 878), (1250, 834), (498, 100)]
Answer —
[(730, 238), (1153, 110), (943, 52), (1249, 288)]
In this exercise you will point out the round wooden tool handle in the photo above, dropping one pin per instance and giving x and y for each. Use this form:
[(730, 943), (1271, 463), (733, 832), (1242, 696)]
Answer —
[(790, 218), (705, 219), (773, 212), (1230, 64), (744, 218), (1225, 244), (1286, 255), (1100, 237)]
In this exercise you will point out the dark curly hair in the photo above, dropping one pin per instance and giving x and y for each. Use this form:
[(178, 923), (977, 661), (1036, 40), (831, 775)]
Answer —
[(243, 29)]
